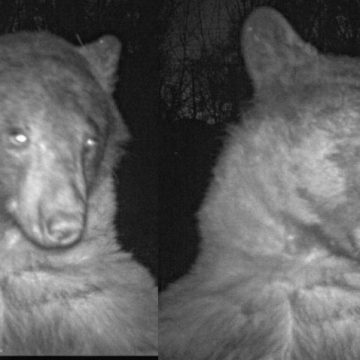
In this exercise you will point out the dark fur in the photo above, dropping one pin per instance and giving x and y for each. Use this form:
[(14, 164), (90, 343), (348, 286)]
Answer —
[(278, 273), (65, 285)]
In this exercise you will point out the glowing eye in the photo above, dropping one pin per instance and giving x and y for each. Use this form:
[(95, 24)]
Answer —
[(90, 142), (18, 138)]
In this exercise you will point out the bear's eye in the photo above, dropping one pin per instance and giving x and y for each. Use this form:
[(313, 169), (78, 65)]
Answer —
[(90, 145), (18, 137), (91, 142)]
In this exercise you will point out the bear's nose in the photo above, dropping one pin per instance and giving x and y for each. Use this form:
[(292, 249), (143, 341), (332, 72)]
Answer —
[(63, 229)]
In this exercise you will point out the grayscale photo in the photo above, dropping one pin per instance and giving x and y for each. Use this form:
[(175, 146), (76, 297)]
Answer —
[(180, 179)]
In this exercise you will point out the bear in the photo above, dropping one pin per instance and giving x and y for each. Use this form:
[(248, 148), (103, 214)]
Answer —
[(66, 286), (278, 266)]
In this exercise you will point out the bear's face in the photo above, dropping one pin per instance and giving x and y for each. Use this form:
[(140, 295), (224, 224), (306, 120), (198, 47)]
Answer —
[(294, 166), (308, 110), (58, 129)]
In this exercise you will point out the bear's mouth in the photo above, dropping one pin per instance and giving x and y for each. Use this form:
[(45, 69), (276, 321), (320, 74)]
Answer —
[(57, 229)]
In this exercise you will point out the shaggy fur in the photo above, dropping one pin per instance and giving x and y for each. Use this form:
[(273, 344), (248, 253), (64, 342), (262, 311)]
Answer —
[(278, 272), (86, 296)]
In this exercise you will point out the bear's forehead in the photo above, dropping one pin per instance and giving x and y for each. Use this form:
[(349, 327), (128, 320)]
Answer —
[(44, 56), (36, 67), (45, 81), (37, 104), (41, 110), (45, 89), (42, 70)]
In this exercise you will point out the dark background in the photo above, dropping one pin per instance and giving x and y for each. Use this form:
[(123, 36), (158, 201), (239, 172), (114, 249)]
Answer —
[(182, 81)]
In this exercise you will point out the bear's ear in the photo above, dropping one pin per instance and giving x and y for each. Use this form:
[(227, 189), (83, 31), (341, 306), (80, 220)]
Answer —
[(271, 48), (103, 56)]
